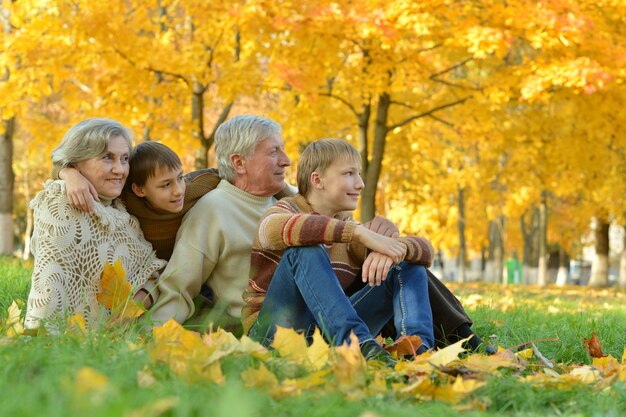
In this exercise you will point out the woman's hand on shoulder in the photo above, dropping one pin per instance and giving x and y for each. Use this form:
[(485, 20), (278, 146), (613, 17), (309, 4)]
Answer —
[(80, 192)]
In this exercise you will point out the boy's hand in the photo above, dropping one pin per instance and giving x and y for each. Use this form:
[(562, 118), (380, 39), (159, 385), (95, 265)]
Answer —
[(383, 226), (378, 243), (80, 192), (375, 268)]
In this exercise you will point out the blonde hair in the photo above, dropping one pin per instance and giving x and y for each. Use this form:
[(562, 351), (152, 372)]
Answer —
[(318, 156)]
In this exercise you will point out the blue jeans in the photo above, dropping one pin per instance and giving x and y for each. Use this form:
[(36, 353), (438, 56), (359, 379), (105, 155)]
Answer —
[(305, 293)]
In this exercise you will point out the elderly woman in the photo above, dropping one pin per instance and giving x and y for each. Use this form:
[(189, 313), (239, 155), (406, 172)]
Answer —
[(71, 247)]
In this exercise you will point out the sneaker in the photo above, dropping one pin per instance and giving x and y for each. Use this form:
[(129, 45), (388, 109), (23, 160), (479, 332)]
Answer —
[(491, 349), (371, 350)]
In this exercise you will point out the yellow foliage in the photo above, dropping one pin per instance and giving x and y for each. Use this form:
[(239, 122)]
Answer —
[(116, 292)]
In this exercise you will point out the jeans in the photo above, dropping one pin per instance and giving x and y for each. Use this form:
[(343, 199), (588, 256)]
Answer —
[(305, 293)]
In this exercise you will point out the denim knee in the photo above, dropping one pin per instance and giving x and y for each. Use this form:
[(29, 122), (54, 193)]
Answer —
[(306, 253)]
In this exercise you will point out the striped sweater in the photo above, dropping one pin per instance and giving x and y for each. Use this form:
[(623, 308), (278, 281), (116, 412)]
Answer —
[(292, 222)]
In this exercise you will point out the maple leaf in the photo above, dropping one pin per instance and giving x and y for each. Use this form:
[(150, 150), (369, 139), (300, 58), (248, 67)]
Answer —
[(447, 354), (14, 324), (405, 346), (292, 345), (116, 292), (260, 378), (453, 393), (349, 365), (185, 353), (593, 346)]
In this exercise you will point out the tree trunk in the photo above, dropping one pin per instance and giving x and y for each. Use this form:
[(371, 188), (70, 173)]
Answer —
[(368, 195), (600, 264), (531, 242), (542, 272), (6, 187), (197, 119), (621, 280), (561, 276), (462, 245), (363, 122), (496, 251)]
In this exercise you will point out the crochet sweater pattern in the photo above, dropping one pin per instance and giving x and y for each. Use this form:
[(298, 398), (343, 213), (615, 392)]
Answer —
[(292, 222), (71, 248)]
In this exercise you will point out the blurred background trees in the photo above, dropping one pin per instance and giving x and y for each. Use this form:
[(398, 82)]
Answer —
[(492, 128)]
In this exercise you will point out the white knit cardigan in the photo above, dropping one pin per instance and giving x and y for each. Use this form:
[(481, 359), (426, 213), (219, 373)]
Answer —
[(71, 248)]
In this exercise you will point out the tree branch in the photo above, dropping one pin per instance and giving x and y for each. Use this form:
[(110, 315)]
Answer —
[(342, 100), (150, 68), (428, 113), (452, 68)]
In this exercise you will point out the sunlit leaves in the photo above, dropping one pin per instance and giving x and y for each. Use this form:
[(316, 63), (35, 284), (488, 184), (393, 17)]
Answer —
[(116, 292)]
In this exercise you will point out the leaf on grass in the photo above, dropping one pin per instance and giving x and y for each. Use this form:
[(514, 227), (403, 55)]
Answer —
[(405, 346), (453, 393), (260, 378), (185, 353), (585, 374), (503, 358), (317, 353), (348, 365), (14, 324), (145, 378), (290, 344), (593, 346), (447, 354), (116, 292), (154, 408), (90, 381), (77, 322)]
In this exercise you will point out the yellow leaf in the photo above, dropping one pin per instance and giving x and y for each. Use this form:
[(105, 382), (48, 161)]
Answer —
[(317, 353), (77, 322), (504, 358), (447, 354), (185, 353), (116, 292), (349, 365), (260, 378), (290, 344), (155, 408), (14, 324), (453, 393), (525, 354), (585, 374), (89, 381)]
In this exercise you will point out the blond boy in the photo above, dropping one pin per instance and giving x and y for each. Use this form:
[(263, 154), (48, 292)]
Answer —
[(309, 252)]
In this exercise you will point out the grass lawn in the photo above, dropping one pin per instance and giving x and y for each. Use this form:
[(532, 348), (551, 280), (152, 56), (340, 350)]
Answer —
[(112, 373)]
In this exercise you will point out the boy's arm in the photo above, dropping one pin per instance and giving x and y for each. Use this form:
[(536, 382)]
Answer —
[(80, 192), (419, 250), (280, 229)]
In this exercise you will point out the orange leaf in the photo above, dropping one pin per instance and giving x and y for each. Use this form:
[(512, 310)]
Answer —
[(593, 346), (116, 292), (405, 346)]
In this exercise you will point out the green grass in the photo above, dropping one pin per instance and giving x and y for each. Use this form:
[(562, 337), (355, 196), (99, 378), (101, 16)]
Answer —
[(38, 374)]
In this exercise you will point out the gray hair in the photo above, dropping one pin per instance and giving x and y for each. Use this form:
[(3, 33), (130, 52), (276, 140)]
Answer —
[(88, 139), (240, 135)]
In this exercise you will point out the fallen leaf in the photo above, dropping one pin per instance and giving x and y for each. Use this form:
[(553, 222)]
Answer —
[(116, 292), (77, 322), (260, 378), (14, 324), (348, 365), (593, 346), (453, 393), (405, 346), (155, 408), (447, 354)]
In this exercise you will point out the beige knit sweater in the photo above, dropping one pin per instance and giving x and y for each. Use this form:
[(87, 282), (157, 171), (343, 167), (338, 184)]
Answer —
[(71, 248)]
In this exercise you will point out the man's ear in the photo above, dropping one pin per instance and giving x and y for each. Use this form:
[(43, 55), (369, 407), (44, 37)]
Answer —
[(238, 162), (138, 190), (316, 181)]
